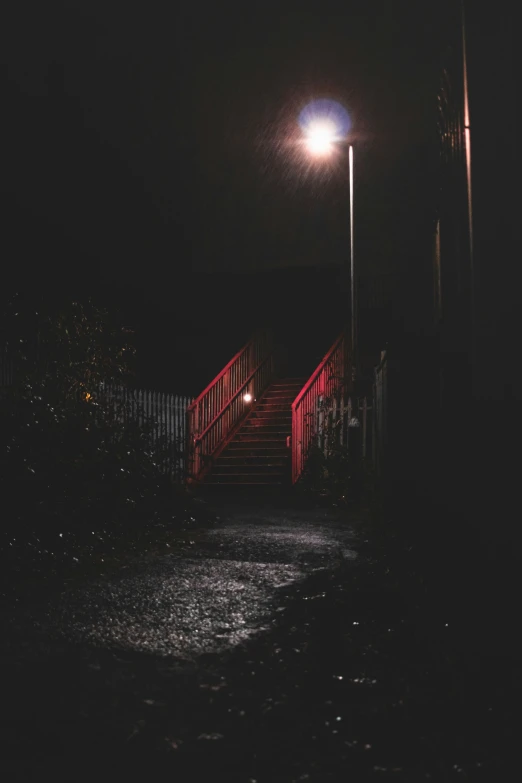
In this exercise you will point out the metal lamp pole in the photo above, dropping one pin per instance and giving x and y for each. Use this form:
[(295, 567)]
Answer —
[(322, 132), (352, 269)]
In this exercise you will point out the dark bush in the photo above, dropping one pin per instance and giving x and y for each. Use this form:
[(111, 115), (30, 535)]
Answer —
[(74, 470), (334, 470)]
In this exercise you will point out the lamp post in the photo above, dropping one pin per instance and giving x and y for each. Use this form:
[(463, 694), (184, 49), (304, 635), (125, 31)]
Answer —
[(325, 124), (352, 271)]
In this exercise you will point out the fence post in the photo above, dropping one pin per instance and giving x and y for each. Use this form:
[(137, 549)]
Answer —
[(365, 411), (333, 428), (320, 423), (374, 438), (349, 438)]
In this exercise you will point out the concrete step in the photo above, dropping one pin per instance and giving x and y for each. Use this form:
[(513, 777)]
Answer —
[(288, 382), (255, 468), (269, 447), (259, 480), (279, 397), (228, 458), (267, 405), (284, 393), (257, 422), (261, 434), (285, 385), (253, 428), (269, 421), (266, 413)]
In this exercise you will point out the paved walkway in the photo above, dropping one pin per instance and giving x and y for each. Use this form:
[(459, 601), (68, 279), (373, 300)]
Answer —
[(209, 595), (89, 665)]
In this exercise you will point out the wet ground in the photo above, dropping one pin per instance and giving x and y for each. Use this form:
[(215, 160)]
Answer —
[(256, 651), (210, 593)]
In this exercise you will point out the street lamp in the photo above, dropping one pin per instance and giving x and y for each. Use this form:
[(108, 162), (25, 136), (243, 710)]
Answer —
[(325, 124)]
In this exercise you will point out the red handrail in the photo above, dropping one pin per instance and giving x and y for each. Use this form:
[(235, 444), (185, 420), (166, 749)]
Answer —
[(237, 393), (216, 413), (324, 382)]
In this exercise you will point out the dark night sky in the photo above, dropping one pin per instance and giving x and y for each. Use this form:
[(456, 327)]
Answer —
[(149, 145)]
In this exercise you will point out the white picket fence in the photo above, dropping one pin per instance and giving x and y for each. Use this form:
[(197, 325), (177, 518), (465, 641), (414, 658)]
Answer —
[(167, 413)]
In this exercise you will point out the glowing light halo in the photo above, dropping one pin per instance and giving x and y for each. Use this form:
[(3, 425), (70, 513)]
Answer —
[(324, 122), (320, 137)]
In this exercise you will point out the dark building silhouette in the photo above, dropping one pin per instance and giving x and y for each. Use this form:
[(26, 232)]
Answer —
[(474, 281), (455, 415)]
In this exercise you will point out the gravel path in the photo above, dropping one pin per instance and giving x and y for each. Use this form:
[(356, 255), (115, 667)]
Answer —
[(257, 651), (85, 667), (220, 591)]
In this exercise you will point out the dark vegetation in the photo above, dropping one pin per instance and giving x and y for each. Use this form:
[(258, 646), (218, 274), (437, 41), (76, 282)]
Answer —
[(336, 472), (78, 478)]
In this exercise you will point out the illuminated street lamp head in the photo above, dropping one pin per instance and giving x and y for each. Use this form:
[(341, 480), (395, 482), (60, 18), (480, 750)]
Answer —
[(320, 137), (323, 122)]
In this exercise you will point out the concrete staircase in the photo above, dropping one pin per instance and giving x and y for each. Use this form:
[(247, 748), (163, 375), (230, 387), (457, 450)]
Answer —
[(258, 453)]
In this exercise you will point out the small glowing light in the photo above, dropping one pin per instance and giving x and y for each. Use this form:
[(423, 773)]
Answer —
[(247, 397)]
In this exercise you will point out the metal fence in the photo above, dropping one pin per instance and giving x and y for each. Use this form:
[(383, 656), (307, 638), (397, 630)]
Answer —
[(324, 383), (165, 414), (380, 419), (165, 417), (347, 424)]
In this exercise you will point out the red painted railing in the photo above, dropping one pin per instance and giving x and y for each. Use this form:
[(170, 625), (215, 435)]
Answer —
[(327, 379), (216, 414)]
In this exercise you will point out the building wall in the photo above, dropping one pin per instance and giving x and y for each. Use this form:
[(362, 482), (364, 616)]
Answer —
[(460, 378), (478, 295), (495, 186), (475, 293)]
